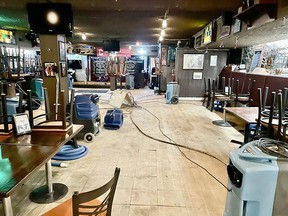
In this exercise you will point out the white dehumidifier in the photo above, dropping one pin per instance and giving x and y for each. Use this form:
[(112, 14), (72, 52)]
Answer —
[(130, 81), (172, 93), (258, 176)]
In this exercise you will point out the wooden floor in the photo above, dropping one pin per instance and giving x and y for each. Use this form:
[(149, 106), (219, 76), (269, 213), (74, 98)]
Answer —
[(156, 178)]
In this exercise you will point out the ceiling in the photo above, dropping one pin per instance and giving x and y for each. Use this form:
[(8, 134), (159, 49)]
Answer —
[(127, 20)]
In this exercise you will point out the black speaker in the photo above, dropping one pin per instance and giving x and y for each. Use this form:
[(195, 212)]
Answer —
[(191, 42), (227, 18), (235, 56), (139, 80)]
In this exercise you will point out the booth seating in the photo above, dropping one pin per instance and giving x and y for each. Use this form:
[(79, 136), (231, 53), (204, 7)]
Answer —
[(261, 81)]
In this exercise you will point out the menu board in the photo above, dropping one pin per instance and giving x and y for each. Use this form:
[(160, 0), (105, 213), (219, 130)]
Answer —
[(100, 65), (7, 37), (130, 67)]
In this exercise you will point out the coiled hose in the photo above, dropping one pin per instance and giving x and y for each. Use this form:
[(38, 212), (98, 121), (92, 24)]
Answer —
[(69, 152)]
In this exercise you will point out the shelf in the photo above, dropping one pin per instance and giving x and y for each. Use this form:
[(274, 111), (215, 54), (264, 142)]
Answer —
[(252, 13)]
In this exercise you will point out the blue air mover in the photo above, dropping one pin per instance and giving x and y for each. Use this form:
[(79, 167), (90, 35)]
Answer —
[(87, 113), (113, 119)]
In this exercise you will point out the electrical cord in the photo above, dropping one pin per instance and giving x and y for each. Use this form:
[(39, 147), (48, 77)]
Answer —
[(172, 142), (179, 146)]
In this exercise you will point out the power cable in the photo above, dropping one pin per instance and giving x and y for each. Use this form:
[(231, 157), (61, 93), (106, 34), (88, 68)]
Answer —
[(179, 146), (172, 142)]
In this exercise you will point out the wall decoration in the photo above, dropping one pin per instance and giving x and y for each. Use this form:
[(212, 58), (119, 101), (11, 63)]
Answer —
[(63, 69), (236, 27), (7, 36), (130, 67), (50, 69), (256, 60), (213, 60), (62, 51), (163, 56), (225, 31), (197, 76), (207, 33), (193, 61)]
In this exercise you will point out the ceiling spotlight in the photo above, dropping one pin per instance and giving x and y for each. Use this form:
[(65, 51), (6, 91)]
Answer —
[(83, 36), (52, 17), (161, 38), (138, 43), (130, 47), (164, 23), (162, 32)]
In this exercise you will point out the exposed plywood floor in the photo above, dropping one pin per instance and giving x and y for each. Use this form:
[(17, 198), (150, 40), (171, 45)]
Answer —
[(155, 179)]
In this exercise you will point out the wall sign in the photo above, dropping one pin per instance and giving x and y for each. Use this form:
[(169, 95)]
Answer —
[(7, 36), (213, 60), (100, 65), (21, 124), (197, 76)]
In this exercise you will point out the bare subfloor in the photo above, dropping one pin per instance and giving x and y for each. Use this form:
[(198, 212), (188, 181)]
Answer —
[(156, 178)]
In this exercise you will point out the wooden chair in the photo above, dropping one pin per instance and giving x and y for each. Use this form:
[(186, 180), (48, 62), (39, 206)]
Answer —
[(207, 92), (217, 96), (86, 203), (243, 99), (266, 121)]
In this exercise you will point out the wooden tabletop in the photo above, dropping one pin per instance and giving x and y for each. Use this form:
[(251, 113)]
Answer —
[(21, 155), (17, 162), (44, 138), (248, 114)]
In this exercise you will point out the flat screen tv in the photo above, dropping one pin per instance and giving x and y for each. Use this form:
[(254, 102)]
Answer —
[(111, 45), (50, 18)]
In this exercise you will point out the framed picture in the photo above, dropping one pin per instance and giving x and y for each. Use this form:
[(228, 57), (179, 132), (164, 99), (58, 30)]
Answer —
[(163, 56), (63, 69), (197, 76), (236, 27), (225, 31), (62, 51), (193, 61), (21, 124), (50, 69)]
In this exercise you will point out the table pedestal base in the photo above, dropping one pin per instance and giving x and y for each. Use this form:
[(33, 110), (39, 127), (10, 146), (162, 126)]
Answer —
[(223, 123), (42, 196)]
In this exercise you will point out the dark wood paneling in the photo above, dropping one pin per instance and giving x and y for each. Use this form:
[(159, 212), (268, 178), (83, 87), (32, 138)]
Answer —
[(195, 88)]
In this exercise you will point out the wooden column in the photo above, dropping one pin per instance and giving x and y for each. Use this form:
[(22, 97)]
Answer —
[(53, 50)]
